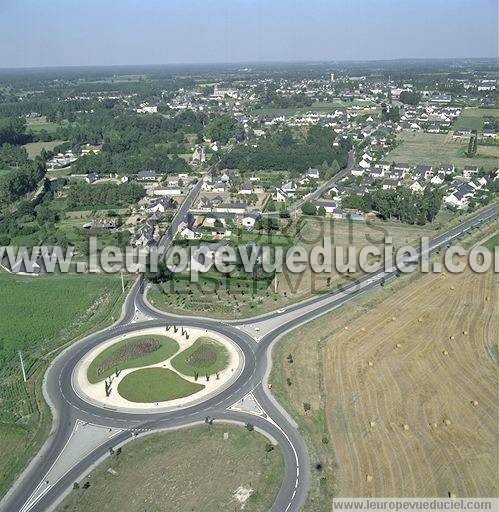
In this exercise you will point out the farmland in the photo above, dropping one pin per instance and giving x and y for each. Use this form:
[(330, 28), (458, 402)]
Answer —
[(35, 148), (395, 405), (435, 149), (173, 474), (28, 322)]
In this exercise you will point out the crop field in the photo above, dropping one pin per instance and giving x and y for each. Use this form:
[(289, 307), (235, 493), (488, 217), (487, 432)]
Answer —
[(436, 148), (38, 124), (27, 322), (173, 476), (131, 353), (204, 356), (402, 399), (156, 385)]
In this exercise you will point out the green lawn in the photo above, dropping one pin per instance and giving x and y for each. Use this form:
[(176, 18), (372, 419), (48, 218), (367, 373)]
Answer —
[(38, 124), (150, 385), (492, 243), (190, 469), (204, 356), (472, 118), (35, 148), (128, 354)]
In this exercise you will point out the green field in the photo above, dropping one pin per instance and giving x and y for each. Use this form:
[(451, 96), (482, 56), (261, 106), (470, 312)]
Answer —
[(150, 385), (318, 106), (123, 355), (39, 315), (472, 118), (435, 149), (35, 148), (492, 242), (204, 357), (191, 469), (38, 124)]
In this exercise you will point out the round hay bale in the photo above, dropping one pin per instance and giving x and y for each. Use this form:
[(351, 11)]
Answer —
[(398, 345), (445, 353), (369, 478), (370, 363), (420, 320), (372, 423), (447, 422), (452, 288), (465, 333), (406, 426), (452, 338), (474, 403), (346, 328), (394, 318), (433, 425), (363, 329)]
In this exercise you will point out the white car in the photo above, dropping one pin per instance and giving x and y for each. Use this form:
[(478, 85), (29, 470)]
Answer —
[(282, 310)]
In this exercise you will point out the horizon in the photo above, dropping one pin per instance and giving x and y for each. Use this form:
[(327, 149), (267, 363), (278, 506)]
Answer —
[(223, 32)]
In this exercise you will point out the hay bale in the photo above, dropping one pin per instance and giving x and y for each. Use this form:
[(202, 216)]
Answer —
[(346, 328), (465, 333), (406, 426), (369, 478), (474, 403), (398, 345), (372, 423), (370, 363), (363, 329), (420, 320), (452, 338), (394, 318), (433, 425), (452, 495), (452, 288), (445, 353), (447, 422)]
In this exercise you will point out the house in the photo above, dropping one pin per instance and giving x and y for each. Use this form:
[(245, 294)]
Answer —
[(238, 208), (403, 168), (438, 179), (377, 172), (198, 157), (459, 198), (418, 186), (205, 204), (469, 171), (167, 191), (288, 186), (245, 189), (161, 205), (143, 236), (391, 183), (219, 187), (146, 176), (423, 172), (219, 218), (489, 133), (313, 173), (249, 219), (357, 170), (91, 178), (188, 232), (384, 165), (329, 206), (446, 168)]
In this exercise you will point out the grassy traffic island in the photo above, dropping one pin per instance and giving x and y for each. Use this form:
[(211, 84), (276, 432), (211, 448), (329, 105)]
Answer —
[(244, 471), (150, 385), (131, 353), (151, 368), (204, 357)]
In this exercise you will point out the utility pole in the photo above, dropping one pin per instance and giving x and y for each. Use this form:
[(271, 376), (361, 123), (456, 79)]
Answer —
[(22, 365), (275, 283), (122, 283)]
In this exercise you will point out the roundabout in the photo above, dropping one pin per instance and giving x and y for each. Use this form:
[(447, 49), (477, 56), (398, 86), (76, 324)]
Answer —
[(157, 369)]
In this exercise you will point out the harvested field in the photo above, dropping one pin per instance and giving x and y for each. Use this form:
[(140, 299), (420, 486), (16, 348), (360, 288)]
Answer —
[(398, 407), (421, 421)]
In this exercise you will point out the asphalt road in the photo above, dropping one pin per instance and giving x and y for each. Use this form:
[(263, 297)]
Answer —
[(69, 407)]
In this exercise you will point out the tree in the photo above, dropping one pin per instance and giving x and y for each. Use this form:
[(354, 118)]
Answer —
[(308, 209), (410, 97), (249, 427), (321, 211), (222, 128)]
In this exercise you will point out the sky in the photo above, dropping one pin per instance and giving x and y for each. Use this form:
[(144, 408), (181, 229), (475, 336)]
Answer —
[(102, 32)]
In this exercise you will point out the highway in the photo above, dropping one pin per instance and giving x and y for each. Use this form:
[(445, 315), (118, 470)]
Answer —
[(68, 407)]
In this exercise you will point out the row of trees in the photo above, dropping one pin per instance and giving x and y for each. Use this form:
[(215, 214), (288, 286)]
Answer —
[(19, 182), (402, 204)]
